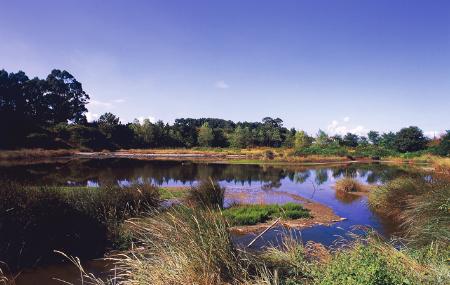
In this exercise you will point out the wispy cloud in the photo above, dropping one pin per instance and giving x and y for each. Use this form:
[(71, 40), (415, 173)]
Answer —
[(434, 134), (221, 84), (106, 104)]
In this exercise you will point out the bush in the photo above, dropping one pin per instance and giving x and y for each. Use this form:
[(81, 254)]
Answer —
[(331, 149)]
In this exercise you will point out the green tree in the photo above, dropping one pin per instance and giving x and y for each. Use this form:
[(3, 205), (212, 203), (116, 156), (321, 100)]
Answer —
[(388, 140), (205, 135), (374, 137), (443, 148), (322, 138), (350, 140), (240, 138), (302, 140), (410, 139)]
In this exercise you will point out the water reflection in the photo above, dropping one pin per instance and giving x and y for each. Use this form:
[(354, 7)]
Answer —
[(97, 172)]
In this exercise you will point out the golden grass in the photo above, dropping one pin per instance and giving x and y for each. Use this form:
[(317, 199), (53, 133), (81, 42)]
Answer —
[(348, 185)]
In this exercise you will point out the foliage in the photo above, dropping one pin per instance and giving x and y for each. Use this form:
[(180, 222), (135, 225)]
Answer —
[(254, 214), (350, 140), (443, 148), (329, 150), (205, 135), (410, 139), (302, 140)]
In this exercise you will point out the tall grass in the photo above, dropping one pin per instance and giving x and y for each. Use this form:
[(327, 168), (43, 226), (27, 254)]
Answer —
[(207, 194), (422, 206), (348, 184), (186, 246), (83, 221)]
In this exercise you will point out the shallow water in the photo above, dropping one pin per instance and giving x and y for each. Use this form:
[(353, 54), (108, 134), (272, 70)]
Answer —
[(255, 183)]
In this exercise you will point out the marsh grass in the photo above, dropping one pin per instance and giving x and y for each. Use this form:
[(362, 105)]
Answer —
[(186, 246), (253, 214), (207, 194), (421, 206), (80, 221), (348, 185)]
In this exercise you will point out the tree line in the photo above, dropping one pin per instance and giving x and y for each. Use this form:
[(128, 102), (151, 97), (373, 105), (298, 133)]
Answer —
[(51, 113)]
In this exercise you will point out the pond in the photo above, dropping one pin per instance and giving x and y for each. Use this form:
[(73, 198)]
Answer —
[(244, 183)]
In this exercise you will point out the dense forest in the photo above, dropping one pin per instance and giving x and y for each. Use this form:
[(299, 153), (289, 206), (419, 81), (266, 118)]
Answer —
[(50, 113)]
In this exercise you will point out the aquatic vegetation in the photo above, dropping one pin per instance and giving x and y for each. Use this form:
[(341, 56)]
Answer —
[(34, 221), (254, 214), (348, 184), (208, 194)]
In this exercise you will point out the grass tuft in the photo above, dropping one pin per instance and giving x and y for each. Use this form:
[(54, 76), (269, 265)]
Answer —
[(348, 185), (207, 194)]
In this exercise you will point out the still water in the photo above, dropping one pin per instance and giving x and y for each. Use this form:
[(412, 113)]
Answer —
[(254, 183)]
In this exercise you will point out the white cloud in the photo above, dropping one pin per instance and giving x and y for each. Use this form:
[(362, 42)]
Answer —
[(337, 128), (142, 118), (221, 85), (118, 101), (433, 134), (91, 116)]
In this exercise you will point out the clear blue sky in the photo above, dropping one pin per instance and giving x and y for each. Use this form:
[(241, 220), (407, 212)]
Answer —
[(336, 65)]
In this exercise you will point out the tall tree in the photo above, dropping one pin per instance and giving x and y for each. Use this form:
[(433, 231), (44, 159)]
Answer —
[(205, 135)]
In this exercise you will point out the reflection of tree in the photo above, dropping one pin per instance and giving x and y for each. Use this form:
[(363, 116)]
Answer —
[(111, 170), (301, 177), (321, 176), (271, 185)]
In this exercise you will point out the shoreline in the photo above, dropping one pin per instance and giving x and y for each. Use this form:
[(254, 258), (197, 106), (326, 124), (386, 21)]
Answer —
[(244, 156)]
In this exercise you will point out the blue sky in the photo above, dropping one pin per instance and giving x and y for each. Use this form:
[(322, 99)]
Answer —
[(336, 65)]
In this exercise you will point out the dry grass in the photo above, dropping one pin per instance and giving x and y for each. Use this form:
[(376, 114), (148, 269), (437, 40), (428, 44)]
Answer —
[(185, 246), (348, 185), (34, 153)]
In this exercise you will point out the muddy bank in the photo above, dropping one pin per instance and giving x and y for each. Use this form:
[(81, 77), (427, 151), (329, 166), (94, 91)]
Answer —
[(321, 215)]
